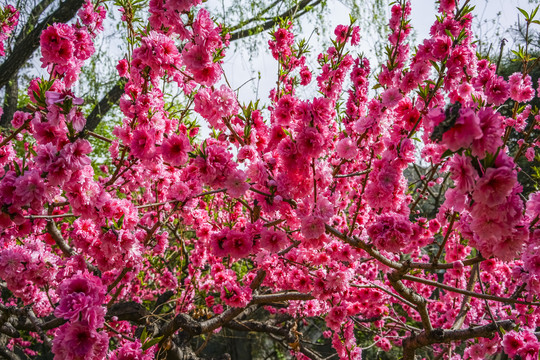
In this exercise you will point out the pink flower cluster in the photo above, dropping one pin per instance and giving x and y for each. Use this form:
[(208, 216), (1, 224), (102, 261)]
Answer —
[(81, 300), (213, 105), (64, 48), (523, 343), (198, 54)]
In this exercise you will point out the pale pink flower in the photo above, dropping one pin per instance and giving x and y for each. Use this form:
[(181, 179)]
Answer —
[(391, 97), (236, 184), (346, 149)]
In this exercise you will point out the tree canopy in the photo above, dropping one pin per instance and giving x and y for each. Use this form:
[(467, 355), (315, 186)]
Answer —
[(393, 213)]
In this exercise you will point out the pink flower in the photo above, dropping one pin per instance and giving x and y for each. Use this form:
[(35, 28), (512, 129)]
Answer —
[(82, 294), (497, 90), (122, 68), (30, 189), (509, 247), (463, 173), (214, 105), (305, 76), (533, 205), (490, 123), (130, 351), (476, 352), (447, 6), (284, 111), (174, 149), (391, 232), (346, 149), (239, 244), (143, 143), (273, 240), (383, 343), (312, 227), (441, 47), (512, 342), (236, 184), (234, 295), (78, 341), (494, 187), (336, 316), (72, 305), (465, 130), (19, 118), (215, 165), (310, 142), (391, 97), (219, 243), (57, 44), (521, 89), (322, 110)]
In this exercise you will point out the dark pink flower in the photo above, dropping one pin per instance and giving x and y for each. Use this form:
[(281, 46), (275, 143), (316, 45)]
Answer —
[(174, 149), (494, 187), (78, 341), (273, 240), (465, 130), (391, 232)]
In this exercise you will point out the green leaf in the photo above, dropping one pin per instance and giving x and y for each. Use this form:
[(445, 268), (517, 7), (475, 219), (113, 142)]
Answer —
[(447, 153), (144, 335), (151, 343), (17, 168), (120, 222), (533, 14), (524, 13)]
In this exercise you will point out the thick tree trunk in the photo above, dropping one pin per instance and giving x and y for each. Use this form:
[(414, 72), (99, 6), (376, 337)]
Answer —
[(10, 102)]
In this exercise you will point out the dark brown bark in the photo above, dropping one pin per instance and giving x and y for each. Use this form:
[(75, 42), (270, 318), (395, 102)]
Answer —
[(104, 105), (10, 102)]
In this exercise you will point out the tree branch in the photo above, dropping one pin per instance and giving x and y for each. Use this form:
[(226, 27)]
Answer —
[(64, 246), (293, 11), (470, 293), (439, 336)]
